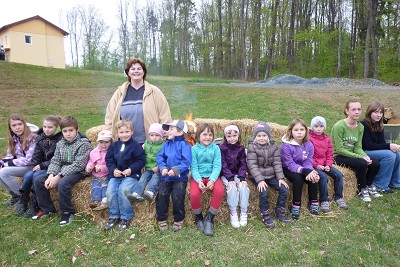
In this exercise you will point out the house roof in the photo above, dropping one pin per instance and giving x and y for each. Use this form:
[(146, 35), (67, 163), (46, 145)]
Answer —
[(5, 27)]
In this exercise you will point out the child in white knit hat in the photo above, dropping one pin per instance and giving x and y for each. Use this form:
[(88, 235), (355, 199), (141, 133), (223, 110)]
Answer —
[(322, 163)]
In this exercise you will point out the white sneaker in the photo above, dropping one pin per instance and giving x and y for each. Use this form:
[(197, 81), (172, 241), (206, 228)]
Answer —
[(234, 221), (243, 219), (364, 195), (373, 191)]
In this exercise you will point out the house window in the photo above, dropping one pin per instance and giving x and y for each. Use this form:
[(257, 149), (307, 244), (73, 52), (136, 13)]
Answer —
[(28, 39)]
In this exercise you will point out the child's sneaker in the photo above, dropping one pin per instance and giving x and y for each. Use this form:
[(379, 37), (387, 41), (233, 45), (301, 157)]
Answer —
[(41, 214), (102, 206), (234, 220), (340, 202), (243, 219), (123, 225), (163, 226), (135, 197), (295, 213), (373, 192), (177, 226), (364, 195), (149, 195), (66, 218), (325, 206), (314, 209), (111, 223)]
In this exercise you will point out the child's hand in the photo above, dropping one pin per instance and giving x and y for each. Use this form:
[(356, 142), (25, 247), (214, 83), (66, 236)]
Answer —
[(171, 173), (243, 183), (327, 168), (143, 170), (231, 184), (52, 181), (202, 187), (155, 169), (97, 168), (117, 173), (320, 167), (262, 186), (210, 184), (36, 168), (127, 172), (164, 172), (368, 160), (283, 182), (89, 168)]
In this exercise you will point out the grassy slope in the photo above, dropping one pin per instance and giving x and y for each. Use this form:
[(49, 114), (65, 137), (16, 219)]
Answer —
[(361, 236)]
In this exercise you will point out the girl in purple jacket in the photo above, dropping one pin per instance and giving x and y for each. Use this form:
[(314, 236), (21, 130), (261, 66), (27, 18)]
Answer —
[(296, 156), (233, 175), (21, 144)]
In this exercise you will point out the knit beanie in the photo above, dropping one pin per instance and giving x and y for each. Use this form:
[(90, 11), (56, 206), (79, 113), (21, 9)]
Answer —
[(156, 128), (262, 127), (318, 120)]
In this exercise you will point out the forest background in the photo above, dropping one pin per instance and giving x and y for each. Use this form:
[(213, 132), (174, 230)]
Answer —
[(242, 39)]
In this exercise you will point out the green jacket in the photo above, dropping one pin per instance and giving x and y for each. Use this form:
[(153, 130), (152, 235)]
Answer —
[(70, 157), (151, 150)]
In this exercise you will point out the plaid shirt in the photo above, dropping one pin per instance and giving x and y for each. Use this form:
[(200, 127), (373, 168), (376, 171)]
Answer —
[(70, 156)]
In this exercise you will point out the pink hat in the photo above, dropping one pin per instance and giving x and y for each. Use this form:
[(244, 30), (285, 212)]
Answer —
[(156, 128), (231, 128), (104, 135)]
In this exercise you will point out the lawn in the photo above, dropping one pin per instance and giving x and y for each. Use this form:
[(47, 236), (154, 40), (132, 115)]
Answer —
[(365, 235)]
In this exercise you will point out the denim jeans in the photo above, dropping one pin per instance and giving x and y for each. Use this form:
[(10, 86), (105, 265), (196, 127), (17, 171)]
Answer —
[(297, 180), (27, 180), (64, 189), (264, 195), (178, 191), (149, 178), (323, 184), (236, 195), (118, 203), (99, 188), (365, 173), (8, 177), (388, 173)]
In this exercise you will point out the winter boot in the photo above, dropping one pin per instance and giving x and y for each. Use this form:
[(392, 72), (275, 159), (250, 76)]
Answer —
[(266, 218), (209, 225), (22, 204), (13, 201), (33, 206), (280, 214), (199, 220)]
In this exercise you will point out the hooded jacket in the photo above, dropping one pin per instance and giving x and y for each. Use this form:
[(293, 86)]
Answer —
[(263, 161), (233, 161), (155, 107), (45, 148), (296, 157), (323, 149), (175, 154), (21, 157)]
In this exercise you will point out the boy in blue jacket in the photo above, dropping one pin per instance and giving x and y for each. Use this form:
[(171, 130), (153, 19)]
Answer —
[(173, 162), (124, 159)]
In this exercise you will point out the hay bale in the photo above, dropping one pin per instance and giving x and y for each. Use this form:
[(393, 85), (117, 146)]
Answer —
[(246, 127), (93, 132)]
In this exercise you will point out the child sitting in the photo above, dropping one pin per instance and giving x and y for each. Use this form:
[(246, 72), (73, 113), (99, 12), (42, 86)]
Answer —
[(206, 168), (125, 158), (264, 164), (296, 156), (67, 167), (151, 174), (97, 166), (322, 163), (173, 163), (233, 175)]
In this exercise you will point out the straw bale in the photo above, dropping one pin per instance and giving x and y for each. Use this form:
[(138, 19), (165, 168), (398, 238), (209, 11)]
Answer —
[(92, 133)]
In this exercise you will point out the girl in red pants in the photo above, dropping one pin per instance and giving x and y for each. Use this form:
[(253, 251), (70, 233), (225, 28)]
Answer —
[(205, 168)]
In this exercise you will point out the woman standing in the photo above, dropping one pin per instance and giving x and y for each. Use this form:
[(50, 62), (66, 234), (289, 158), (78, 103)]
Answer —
[(347, 137), (137, 101), (375, 146)]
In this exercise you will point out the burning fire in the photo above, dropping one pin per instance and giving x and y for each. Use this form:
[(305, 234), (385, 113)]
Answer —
[(191, 128)]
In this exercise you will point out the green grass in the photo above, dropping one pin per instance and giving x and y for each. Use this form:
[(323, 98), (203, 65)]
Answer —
[(363, 235)]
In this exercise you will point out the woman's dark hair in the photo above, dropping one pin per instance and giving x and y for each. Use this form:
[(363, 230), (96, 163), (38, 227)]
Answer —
[(375, 126), (134, 61)]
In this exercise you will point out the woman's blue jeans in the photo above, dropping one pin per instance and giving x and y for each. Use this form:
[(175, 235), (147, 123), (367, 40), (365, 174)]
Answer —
[(388, 173)]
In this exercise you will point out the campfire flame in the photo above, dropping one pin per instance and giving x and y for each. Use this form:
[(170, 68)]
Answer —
[(191, 128)]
